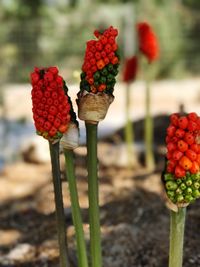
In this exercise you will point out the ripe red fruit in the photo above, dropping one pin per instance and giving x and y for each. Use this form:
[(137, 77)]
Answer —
[(195, 167), (191, 154), (169, 155), (171, 146), (198, 159), (195, 147), (192, 116), (171, 130), (183, 122), (192, 126), (179, 172), (174, 119), (185, 163), (189, 138), (177, 155), (180, 133), (170, 168), (182, 145)]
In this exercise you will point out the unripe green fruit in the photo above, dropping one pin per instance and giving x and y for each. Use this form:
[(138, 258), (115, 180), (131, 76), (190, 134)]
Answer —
[(179, 181), (196, 193), (104, 72), (183, 186), (179, 191), (170, 185), (180, 198), (103, 79), (188, 190), (170, 193), (97, 76), (168, 177), (189, 198), (196, 185), (188, 182)]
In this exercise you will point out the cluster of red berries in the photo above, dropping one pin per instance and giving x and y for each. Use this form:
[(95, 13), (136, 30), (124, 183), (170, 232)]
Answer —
[(101, 58), (51, 106), (183, 149), (148, 43)]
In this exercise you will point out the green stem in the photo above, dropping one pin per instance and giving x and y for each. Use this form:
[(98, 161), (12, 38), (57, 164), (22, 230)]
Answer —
[(95, 235), (61, 227), (76, 213), (129, 134), (177, 225), (149, 157)]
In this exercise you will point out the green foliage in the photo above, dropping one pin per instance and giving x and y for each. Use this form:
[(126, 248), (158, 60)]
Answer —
[(54, 33)]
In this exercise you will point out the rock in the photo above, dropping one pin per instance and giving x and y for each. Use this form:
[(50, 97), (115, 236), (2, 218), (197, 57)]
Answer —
[(22, 252), (35, 150)]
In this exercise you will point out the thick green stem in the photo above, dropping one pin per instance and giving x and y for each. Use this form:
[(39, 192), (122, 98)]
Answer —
[(129, 134), (95, 235), (61, 227), (177, 225), (76, 213), (149, 156)]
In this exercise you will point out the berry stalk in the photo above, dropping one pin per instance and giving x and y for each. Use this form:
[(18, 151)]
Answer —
[(129, 134), (76, 213), (61, 227), (177, 226), (95, 235), (149, 157)]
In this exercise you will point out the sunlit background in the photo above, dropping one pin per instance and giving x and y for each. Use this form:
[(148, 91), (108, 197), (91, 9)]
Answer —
[(44, 33)]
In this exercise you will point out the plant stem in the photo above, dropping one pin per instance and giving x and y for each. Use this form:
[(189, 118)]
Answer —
[(95, 235), (76, 213), (177, 225), (129, 134), (61, 227), (149, 157)]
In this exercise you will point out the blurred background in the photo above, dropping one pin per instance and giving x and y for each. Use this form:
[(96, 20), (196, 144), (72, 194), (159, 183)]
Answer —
[(54, 33), (44, 33)]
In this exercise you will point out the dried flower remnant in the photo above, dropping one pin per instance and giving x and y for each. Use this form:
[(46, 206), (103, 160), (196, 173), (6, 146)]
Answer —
[(51, 107), (182, 176)]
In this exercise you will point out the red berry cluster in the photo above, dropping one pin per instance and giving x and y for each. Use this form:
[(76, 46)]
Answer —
[(51, 107), (130, 69), (99, 54), (183, 150), (148, 43)]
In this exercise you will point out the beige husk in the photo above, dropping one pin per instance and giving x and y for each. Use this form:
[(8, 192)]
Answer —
[(93, 108), (70, 139)]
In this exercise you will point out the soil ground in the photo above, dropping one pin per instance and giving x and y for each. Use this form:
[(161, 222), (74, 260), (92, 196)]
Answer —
[(134, 217)]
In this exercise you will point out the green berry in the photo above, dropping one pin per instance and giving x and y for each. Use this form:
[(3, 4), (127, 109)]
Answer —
[(179, 191), (196, 185), (83, 75), (110, 67), (103, 79), (180, 198), (183, 186), (188, 182), (168, 177), (170, 185), (104, 72), (97, 76), (189, 198), (188, 190), (178, 181), (196, 193)]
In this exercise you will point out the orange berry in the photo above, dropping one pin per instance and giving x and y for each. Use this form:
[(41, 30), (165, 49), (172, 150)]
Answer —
[(185, 163)]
